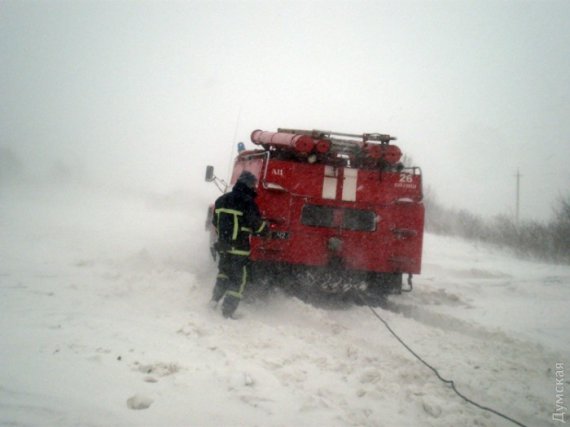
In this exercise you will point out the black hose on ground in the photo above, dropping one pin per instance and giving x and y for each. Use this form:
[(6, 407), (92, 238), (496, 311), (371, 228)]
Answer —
[(437, 374)]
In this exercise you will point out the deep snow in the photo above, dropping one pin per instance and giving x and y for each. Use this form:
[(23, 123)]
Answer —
[(103, 310)]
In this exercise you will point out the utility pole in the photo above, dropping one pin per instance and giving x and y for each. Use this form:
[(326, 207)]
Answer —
[(518, 175)]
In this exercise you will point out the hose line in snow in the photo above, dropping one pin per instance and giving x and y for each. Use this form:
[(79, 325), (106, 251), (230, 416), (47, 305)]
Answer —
[(437, 374)]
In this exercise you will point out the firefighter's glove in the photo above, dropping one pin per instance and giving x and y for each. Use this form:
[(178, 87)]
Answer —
[(265, 231)]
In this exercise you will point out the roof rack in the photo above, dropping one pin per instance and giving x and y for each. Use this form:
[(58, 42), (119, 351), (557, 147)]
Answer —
[(330, 135)]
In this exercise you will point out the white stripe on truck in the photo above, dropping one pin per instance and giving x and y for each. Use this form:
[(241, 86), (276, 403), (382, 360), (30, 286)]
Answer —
[(329, 183), (349, 185)]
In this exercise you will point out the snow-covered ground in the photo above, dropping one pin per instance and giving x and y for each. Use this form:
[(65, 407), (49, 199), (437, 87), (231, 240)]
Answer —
[(103, 310)]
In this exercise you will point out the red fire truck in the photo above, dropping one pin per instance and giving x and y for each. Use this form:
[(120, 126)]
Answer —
[(343, 210)]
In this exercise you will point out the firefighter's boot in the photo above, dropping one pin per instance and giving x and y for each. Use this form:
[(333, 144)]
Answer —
[(219, 289), (229, 306)]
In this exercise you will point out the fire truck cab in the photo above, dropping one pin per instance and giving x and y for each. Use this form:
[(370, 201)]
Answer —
[(342, 209)]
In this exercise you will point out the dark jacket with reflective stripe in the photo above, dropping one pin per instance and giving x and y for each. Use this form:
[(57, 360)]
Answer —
[(236, 217)]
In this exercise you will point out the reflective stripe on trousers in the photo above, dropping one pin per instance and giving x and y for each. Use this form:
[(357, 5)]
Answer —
[(239, 293)]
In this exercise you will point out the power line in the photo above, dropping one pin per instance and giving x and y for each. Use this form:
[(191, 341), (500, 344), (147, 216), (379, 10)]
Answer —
[(518, 176)]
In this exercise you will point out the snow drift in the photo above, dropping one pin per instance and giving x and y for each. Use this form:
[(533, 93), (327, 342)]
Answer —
[(104, 322)]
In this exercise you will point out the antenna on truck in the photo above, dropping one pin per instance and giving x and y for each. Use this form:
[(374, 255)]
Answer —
[(230, 162)]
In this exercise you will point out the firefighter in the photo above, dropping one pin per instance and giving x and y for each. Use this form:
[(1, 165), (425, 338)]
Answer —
[(236, 217)]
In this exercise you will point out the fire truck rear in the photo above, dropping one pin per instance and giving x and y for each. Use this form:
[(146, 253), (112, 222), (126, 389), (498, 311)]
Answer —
[(343, 210)]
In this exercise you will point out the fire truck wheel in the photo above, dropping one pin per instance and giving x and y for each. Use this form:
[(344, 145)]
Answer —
[(385, 283)]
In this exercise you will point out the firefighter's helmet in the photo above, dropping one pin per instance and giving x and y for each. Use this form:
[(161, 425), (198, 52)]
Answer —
[(248, 179)]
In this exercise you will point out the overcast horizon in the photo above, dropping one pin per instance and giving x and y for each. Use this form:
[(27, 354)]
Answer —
[(148, 93)]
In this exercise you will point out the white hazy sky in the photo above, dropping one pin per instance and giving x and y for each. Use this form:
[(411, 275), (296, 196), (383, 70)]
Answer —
[(147, 93)]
